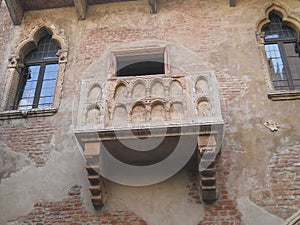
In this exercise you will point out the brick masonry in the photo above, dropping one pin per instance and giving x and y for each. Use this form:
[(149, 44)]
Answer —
[(71, 211), (224, 211), (32, 138), (282, 197)]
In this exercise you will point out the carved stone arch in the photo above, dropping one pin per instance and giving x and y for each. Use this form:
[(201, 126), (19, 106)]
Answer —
[(93, 114), (37, 33), (286, 16), (138, 112), (204, 107), (121, 89), (94, 93), (154, 87), (139, 89), (202, 85), (158, 111), (176, 88), (120, 115), (177, 111)]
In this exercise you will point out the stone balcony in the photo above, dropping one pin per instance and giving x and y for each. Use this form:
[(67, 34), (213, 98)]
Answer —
[(135, 108)]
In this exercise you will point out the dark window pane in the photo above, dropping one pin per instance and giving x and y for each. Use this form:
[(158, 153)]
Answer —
[(293, 60), (139, 65), (276, 29), (47, 49)]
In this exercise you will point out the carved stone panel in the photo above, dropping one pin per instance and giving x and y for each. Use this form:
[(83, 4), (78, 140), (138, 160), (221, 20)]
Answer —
[(202, 87), (120, 92), (176, 112), (95, 94), (93, 116), (139, 91), (176, 89), (120, 116), (204, 108), (157, 89), (138, 114), (157, 113)]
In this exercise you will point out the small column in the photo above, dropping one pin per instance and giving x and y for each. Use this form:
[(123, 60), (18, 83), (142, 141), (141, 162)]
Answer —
[(13, 72)]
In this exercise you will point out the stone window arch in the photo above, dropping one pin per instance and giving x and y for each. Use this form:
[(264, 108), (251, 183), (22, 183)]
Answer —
[(278, 34), (45, 44)]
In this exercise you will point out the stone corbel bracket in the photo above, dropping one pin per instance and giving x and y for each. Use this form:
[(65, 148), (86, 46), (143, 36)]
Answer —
[(153, 6), (98, 184), (207, 152)]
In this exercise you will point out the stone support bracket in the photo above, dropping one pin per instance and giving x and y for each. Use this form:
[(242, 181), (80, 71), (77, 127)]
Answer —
[(232, 3), (207, 152), (81, 8), (15, 10), (153, 6), (98, 185)]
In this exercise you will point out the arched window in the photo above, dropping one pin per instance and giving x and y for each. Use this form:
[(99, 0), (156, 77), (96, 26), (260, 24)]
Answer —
[(37, 83), (282, 52)]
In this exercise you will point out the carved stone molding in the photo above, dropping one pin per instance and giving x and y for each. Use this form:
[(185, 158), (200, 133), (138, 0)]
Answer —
[(260, 37), (271, 125), (284, 95), (18, 114), (293, 220), (15, 62)]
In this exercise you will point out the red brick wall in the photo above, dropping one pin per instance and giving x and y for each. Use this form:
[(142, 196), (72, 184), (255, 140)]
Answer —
[(224, 211), (282, 196), (31, 138), (71, 211)]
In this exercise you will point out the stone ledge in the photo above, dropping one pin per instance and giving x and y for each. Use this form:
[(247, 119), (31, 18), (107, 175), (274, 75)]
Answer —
[(17, 114), (284, 95)]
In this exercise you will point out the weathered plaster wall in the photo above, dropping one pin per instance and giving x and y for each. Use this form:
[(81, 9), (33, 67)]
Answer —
[(255, 163)]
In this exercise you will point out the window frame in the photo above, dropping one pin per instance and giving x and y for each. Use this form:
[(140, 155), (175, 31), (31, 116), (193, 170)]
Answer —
[(137, 51), (283, 57), (273, 93), (39, 85), (16, 65)]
